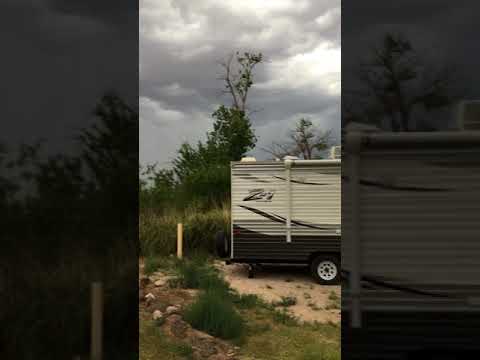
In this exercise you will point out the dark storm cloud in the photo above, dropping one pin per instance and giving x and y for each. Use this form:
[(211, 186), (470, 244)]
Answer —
[(443, 32), (118, 12), (447, 25), (61, 58), (181, 43)]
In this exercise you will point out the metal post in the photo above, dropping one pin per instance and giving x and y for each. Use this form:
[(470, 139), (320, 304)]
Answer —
[(180, 241), (97, 321), (355, 141), (288, 167)]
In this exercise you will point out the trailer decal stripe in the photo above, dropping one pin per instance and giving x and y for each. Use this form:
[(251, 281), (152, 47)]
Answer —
[(280, 219), (396, 187), (388, 285), (301, 182)]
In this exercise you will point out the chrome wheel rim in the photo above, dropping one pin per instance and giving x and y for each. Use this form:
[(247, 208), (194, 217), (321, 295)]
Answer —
[(327, 270)]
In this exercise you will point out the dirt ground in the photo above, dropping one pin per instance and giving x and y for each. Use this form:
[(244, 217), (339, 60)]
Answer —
[(315, 302)]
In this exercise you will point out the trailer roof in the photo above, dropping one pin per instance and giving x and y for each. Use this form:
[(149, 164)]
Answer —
[(282, 163), (356, 141)]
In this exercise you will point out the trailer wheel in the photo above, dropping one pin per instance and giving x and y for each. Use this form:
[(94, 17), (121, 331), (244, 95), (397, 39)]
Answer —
[(222, 244), (326, 269)]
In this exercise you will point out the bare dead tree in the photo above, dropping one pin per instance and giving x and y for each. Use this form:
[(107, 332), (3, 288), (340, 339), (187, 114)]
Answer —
[(238, 77), (395, 81), (280, 150), (305, 141)]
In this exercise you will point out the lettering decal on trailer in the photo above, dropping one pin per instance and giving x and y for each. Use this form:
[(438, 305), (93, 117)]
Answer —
[(260, 195)]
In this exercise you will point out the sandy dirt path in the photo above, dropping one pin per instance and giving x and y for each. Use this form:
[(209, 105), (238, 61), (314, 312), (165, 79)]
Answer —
[(315, 302)]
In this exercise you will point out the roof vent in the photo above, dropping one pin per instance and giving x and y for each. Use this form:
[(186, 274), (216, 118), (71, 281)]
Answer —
[(248, 159)]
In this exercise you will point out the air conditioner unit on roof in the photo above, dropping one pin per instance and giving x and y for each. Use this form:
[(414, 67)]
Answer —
[(248, 159), (336, 152)]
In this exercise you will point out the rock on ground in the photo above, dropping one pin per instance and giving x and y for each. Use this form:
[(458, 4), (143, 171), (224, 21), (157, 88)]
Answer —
[(205, 346)]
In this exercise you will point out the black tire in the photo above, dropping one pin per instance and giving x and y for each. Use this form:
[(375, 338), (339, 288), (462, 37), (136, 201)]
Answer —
[(326, 269), (222, 244)]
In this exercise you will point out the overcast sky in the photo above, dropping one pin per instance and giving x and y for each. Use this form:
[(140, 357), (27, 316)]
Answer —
[(60, 57), (182, 41)]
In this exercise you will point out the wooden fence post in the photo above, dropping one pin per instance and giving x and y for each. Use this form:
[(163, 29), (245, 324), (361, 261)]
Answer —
[(180, 241), (97, 321)]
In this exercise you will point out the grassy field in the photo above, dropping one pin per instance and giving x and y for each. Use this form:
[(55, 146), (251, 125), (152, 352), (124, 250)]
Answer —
[(264, 332)]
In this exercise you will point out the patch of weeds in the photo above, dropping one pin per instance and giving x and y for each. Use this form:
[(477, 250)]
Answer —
[(314, 306), (284, 317), (329, 329), (332, 306), (331, 323), (334, 303), (245, 301), (288, 280), (286, 301), (182, 349), (322, 351), (333, 296), (307, 296), (259, 328), (215, 314), (268, 287), (155, 345), (152, 264)]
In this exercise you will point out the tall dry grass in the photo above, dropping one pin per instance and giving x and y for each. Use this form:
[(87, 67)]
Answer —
[(158, 231)]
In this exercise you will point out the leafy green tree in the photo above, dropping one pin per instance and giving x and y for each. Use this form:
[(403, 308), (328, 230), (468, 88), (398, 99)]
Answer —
[(109, 152), (202, 170), (157, 186), (110, 147), (232, 133)]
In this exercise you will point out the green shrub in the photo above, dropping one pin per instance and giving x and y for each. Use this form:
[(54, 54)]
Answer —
[(215, 314), (198, 274), (189, 274)]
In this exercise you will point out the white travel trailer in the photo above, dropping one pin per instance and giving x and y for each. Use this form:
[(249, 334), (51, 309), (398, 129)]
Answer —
[(410, 248), (286, 212)]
